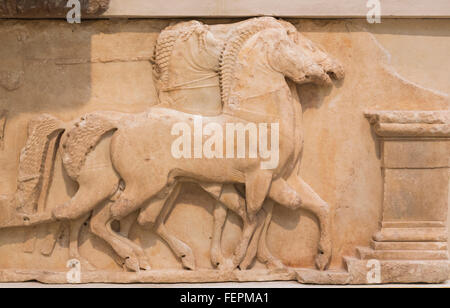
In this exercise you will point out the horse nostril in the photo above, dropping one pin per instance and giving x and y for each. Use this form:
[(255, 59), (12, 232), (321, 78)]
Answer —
[(332, 75)]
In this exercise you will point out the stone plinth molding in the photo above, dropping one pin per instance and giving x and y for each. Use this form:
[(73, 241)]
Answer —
[(411, 245)]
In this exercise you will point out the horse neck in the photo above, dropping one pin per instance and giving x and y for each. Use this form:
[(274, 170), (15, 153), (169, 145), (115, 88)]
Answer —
[(259, 93), (191, 88)]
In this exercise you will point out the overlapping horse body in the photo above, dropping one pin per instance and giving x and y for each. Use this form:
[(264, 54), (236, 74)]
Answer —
[(232, 75)]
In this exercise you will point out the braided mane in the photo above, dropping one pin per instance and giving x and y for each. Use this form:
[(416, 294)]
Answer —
[(165, 45), (235, 40)]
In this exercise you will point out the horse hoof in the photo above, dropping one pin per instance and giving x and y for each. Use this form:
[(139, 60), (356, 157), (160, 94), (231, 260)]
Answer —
[(188, 262), (132, 264), (115, 212), (322, 261), (226, 265), (120, 209), (144, 265), (245, 265), (61, 212), (275, 265)]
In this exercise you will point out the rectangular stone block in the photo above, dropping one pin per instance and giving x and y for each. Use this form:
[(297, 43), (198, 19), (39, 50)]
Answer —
[(366, 253), (416, 194), (413, 224), (411, 235), (408, 245), (406, 153), (397, 271)]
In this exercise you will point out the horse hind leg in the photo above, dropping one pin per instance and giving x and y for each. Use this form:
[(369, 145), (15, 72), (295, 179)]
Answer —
[(91, 192), (127, 222), (135, 194), (257, 186), (124, 230), (155, 214), (101, 226), (125, 226), (129, 200), (74, 236), (225, 196)]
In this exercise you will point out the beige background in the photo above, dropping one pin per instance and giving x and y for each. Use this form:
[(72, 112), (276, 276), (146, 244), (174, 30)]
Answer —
[(68, 70)]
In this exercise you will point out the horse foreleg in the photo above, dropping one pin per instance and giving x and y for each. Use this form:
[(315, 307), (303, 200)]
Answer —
[(228, 197), (257, 184), (220, 215), (254, 243), (301, 196), (263, 254)]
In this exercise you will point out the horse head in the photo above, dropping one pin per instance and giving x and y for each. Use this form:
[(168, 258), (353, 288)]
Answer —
[(186, 57), (331, 66), (291, 59)]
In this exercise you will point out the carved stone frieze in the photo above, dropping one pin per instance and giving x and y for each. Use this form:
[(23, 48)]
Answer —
[(218, 177)]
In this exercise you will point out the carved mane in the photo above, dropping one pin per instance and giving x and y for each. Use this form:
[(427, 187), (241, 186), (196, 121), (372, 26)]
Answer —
[(235, 40), (166, 43)]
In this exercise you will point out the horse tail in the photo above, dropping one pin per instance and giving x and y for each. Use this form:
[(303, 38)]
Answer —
[(83, 138), (37, 159)]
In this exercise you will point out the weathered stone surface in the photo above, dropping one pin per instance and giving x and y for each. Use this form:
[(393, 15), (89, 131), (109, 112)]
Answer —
[(48, 8), (426, 154), (366, 253), (3, 117), (409, 245), (282, 8), (416, 194), (397, 271), (309, 276), (155, 276)]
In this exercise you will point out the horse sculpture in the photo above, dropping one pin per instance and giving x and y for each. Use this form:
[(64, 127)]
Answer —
[(178, 94), (263, 49)]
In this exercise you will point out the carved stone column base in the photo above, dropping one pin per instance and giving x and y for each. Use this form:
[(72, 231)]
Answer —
[(411, 246)]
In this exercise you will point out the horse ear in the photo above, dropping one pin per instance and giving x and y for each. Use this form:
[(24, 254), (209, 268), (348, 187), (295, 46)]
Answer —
[(211, 39)]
